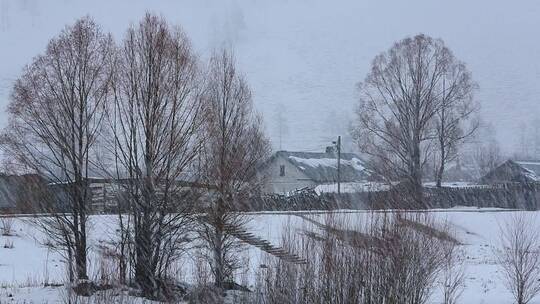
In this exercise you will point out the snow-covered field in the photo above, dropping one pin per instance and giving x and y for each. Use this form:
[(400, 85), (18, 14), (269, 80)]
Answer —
[(25, 268)]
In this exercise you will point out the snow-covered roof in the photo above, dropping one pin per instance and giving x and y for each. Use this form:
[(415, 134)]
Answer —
[(532, 168), (352, 187), (514, 171), (322, 167)]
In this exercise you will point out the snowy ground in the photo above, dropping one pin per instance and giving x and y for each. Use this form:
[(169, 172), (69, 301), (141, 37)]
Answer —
[(25, 268)]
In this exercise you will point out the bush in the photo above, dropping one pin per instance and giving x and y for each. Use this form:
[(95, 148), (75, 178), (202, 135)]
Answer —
[(393, 258), (9, 244), (6, 226), (519, 256)]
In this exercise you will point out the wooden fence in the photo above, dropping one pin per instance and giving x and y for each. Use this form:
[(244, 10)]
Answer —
[(511, 196)]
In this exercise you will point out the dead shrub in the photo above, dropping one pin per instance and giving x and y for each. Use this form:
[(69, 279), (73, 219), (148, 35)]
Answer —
[(519, 256), (380, 261), (6, 226)]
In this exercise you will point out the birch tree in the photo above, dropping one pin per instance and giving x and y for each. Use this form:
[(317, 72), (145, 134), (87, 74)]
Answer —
[(399, 101), (55, 114), (234, 146), (454, 120), (155, 124)]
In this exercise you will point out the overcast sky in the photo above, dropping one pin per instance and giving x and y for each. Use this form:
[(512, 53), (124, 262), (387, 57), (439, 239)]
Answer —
[(305, 57)]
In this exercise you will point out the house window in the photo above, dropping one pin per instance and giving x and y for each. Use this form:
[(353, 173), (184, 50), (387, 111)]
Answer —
[(282, 170)]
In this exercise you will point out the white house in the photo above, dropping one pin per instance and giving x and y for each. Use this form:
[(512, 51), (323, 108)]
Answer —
[(286, 171)]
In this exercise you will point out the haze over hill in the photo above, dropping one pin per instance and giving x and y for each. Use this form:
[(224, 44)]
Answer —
[(305, 57)]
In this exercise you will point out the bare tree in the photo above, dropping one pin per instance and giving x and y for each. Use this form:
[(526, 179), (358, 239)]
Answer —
[(55, 115), (486, 152), (234, 146), (528, 147), (454, 121), (519, 256), (399, 100), (154, 123), (487, 157)]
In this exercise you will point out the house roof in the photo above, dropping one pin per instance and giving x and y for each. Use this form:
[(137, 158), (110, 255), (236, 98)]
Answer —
[(322, 167), (533, 168), (514, 171)]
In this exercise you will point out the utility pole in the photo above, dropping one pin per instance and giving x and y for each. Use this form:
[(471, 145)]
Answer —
[(338, 146)]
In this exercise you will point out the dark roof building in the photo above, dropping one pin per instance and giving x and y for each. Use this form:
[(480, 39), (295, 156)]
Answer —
[(513, 171), (20, 193)]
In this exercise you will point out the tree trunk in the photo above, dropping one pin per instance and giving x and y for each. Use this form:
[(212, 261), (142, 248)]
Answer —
[(440, 173), (80, 227), (440, 170), (80, 260), (218, 258), (416, 177), (70, 265), (145, 270), (122, 267), (81, 255), (219, 262), (144, 276), (122, 264)]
